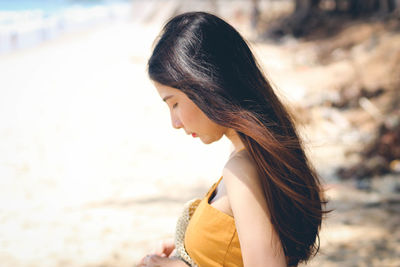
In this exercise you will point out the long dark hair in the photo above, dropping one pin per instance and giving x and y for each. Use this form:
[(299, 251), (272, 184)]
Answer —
[(207, 59)]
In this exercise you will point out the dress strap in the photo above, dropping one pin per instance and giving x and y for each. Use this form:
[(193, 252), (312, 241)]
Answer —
[(212, 189), (244, 148), (217, 183)]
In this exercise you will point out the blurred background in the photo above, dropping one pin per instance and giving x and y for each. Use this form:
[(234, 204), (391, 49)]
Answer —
[(93, 174)]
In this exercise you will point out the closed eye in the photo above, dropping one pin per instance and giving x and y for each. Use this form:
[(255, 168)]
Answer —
[(175, 105)]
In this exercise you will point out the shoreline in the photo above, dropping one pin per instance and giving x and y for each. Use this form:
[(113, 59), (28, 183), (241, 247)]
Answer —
[(20, 29)]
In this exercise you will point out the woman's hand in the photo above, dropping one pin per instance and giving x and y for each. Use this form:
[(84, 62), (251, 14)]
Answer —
[(165, 248), (161, 256), (158, 261)]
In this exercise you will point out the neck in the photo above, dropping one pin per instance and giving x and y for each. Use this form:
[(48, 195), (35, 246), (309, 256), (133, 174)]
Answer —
[(233, 136)]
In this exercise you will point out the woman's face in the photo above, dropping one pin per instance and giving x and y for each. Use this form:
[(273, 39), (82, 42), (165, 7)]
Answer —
[(185, 114)]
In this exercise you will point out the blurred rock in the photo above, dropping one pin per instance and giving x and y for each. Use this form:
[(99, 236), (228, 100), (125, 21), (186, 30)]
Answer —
[(395, 166), (387, 184)]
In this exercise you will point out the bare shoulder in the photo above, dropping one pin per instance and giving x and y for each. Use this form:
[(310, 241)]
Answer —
[(243, 184), (259, 241), (241, 178), (242, 168)]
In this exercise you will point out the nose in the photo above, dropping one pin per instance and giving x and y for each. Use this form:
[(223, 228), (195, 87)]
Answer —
[(176, 122)]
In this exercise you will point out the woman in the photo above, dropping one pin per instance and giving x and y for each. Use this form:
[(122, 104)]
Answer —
[(267, 207)]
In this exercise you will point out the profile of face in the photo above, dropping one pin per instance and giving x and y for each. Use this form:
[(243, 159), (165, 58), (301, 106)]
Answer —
[(187, 115)]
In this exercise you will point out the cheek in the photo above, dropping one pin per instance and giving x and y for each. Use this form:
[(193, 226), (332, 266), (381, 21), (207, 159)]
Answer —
[(189, 115)]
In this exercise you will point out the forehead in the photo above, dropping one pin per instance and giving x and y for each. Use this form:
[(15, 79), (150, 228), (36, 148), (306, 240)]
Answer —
[(164, 90)]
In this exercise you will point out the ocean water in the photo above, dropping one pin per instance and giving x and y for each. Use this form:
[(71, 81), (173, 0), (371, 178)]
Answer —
[(53, 6), (27, 23)]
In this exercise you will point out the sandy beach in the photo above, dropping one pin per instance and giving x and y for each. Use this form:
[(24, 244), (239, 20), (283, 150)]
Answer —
[(91, 171)]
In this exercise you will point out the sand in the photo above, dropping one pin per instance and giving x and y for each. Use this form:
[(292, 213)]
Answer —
[(91, 171)]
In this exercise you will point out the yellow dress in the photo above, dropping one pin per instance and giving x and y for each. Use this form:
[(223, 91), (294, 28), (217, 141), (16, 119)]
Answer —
[(211, 238)]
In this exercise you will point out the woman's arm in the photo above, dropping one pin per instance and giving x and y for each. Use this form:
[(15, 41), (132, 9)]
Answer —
[(259, 242)]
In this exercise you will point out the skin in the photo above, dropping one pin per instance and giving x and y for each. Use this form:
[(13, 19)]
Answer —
[(186, 115), (260, 245)]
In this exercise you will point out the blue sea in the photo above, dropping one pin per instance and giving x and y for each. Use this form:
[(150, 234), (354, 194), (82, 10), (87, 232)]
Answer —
[(27, 23), (53, 6)]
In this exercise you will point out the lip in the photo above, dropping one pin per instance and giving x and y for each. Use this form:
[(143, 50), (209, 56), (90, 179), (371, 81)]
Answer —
[(194, 134)]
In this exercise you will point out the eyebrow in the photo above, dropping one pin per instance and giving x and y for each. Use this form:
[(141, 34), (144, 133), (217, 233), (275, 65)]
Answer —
[(167, 97)]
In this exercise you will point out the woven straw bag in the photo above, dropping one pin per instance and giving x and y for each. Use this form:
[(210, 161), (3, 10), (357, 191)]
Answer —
[(181, 225)]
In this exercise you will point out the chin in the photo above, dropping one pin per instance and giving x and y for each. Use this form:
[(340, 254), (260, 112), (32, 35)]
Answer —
[(206, 141), (210, 140)]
